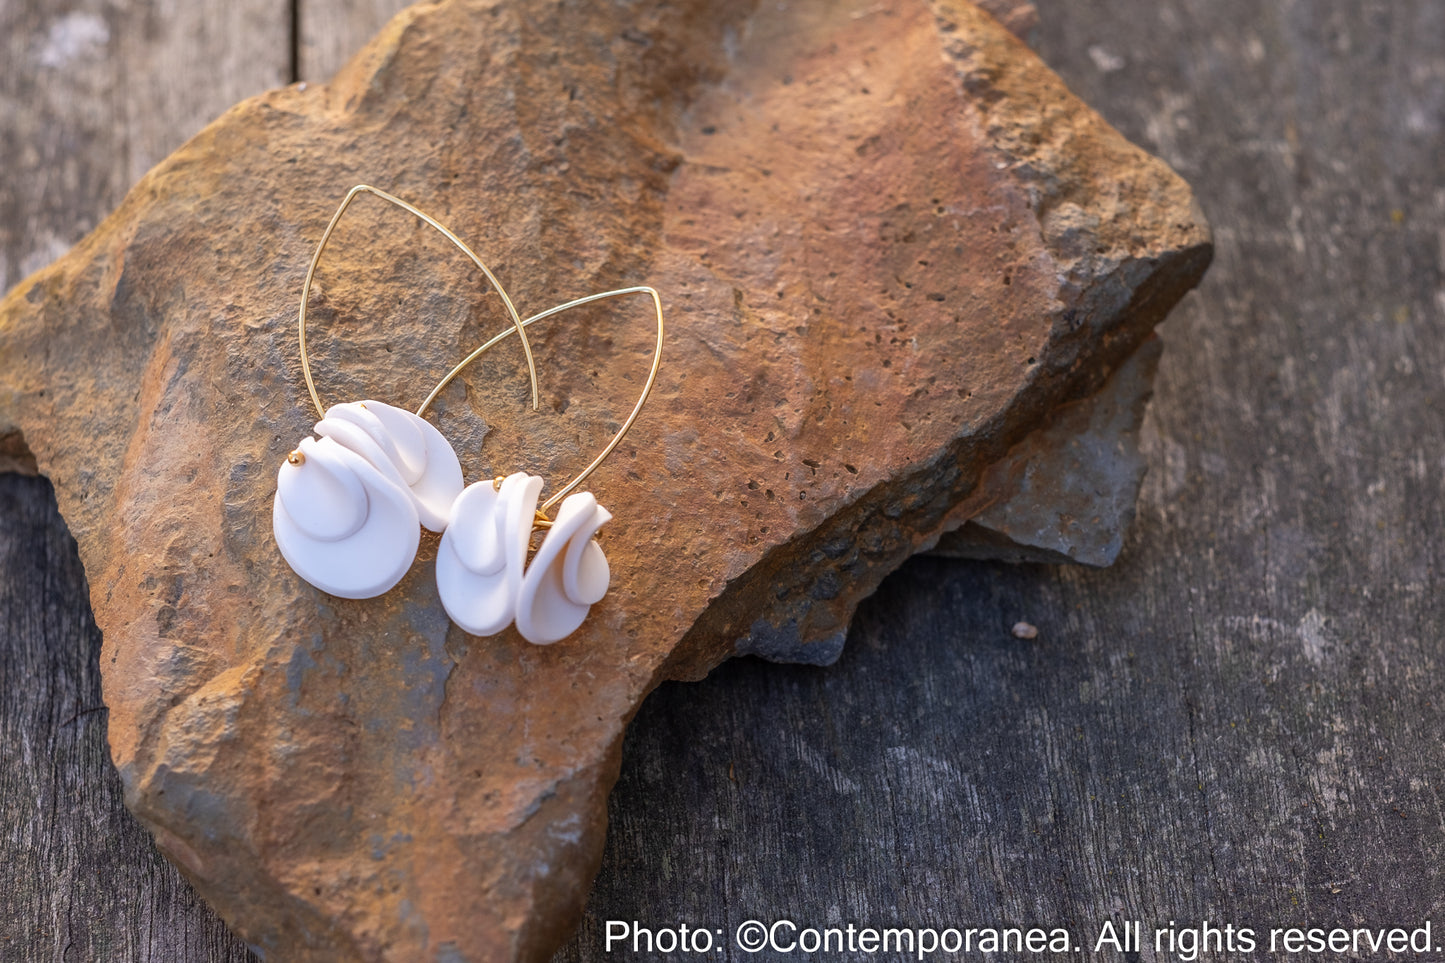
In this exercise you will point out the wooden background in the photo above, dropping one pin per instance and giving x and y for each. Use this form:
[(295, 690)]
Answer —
[(1240, 722)]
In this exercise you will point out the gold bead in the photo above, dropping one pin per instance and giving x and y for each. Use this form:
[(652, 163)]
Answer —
[(296, 457)]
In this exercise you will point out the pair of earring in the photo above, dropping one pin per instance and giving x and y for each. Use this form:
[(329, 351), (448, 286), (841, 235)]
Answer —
[(350, 504)]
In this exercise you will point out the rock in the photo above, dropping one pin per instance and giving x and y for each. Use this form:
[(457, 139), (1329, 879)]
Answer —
[(14, 455), (890, 244), (1066, 493), (1019, 16)]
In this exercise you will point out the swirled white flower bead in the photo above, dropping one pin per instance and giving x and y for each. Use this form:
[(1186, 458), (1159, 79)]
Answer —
[(341, 524), (568, 575), (483, 552)]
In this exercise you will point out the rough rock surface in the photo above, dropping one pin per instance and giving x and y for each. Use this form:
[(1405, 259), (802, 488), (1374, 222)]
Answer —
[(1063, 494), (1066, 493), (890, 243)]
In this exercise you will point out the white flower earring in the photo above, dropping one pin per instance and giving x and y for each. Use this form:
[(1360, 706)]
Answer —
[(484, 577), (348, 506)]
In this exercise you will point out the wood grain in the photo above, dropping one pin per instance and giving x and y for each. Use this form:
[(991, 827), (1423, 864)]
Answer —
[(93, 94), (1239, 721), (332, 30)]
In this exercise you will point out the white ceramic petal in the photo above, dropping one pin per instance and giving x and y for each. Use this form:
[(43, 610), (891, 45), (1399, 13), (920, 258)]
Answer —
[(484, 550), (357, 414), (356, 439), (585, 572), (396, 430), (441, 483), (568, 574), (475, 531), (408, 433), (407, 449), (369, 559), (323, 497)]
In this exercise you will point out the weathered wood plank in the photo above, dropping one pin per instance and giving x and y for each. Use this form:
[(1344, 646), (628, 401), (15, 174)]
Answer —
[(180, 63), (333, 30), (92, 95)]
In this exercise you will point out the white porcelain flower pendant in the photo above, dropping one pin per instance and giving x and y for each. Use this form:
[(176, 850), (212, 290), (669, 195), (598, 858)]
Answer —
[(484, 550), (348, 507), (340, 523), (483, 576)]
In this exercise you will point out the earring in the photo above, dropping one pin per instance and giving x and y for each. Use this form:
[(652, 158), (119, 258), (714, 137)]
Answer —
[(340, 524), (483, 576), (348, 507)]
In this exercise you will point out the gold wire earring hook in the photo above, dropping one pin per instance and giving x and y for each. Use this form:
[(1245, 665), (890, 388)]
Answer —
[(636, 410), (316, 259)]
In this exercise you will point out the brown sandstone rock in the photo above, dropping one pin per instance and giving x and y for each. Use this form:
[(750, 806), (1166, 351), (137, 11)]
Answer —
[(890, 243)]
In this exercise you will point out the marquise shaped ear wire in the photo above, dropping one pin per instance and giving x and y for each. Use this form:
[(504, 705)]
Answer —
[(483, 576), (348, 506)]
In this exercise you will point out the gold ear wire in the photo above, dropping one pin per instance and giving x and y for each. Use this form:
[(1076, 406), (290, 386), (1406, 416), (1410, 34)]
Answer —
[(316, 259), (626, 425)]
